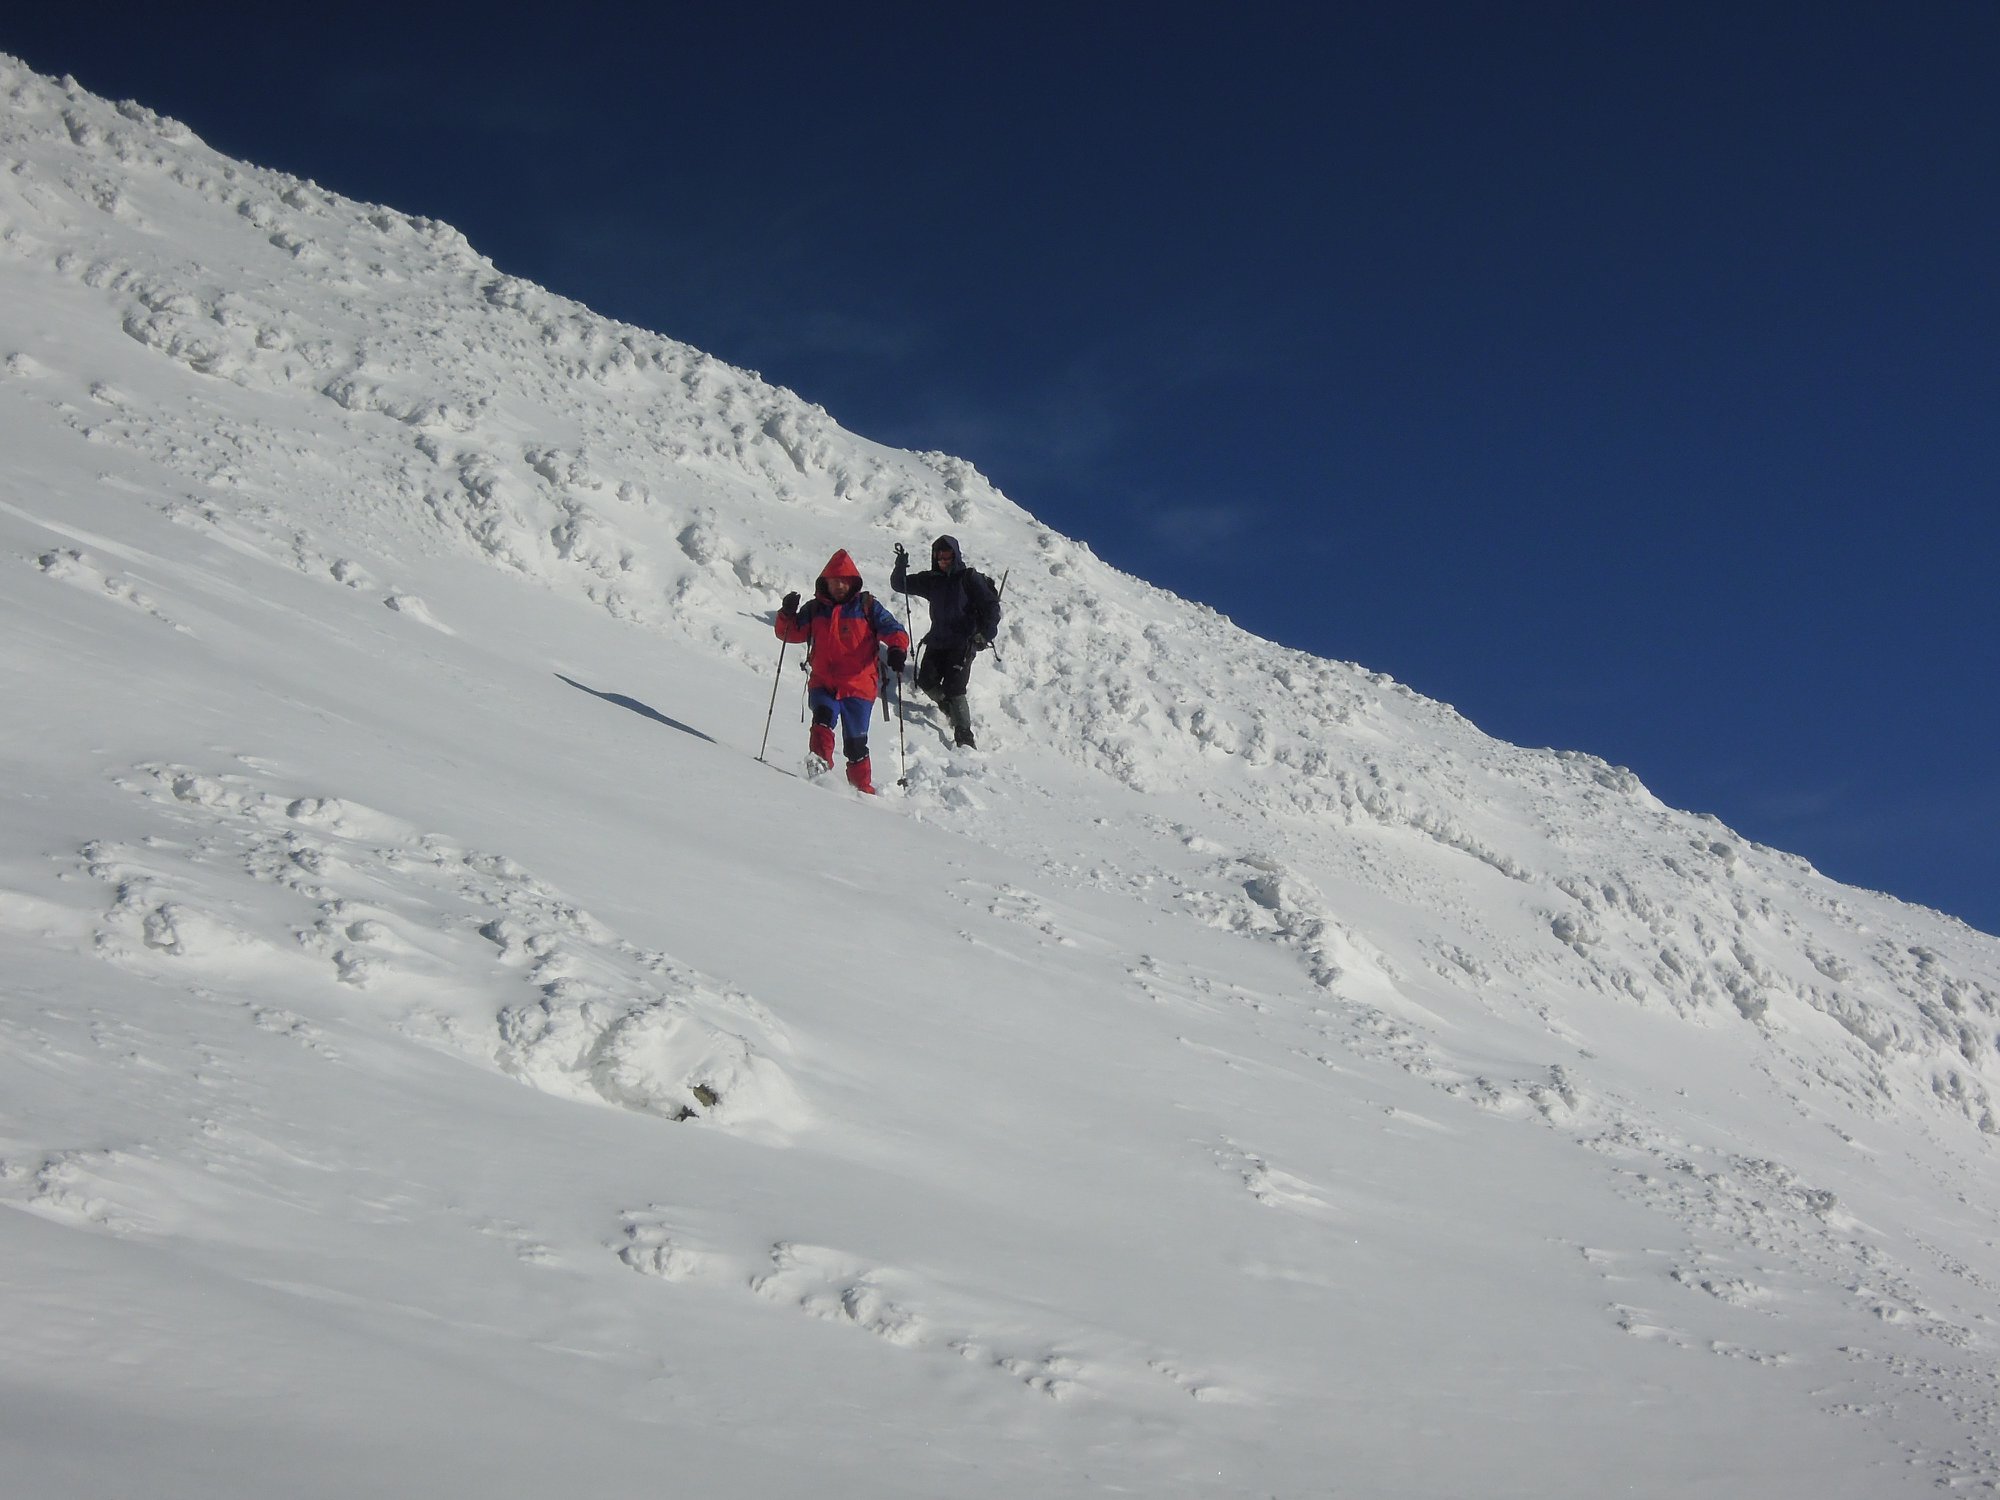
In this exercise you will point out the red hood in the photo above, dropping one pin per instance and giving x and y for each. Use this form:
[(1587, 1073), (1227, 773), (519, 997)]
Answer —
[(840, 565)]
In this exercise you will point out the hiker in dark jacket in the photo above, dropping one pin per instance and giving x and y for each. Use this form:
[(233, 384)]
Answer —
[(965, 616)]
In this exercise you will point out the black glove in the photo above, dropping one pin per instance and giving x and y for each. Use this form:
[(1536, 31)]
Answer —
[(901, 555), (897, 656), (791, 604), (979, 641)]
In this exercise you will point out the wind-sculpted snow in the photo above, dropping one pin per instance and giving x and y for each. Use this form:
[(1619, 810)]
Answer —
[(373, 904), (1241, 1051)]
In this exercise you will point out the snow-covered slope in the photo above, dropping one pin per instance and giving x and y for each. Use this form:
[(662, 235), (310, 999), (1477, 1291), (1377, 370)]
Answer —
[(435, 1057)]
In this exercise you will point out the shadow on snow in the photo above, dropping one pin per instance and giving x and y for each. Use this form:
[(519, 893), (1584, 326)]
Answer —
[(639, 708)]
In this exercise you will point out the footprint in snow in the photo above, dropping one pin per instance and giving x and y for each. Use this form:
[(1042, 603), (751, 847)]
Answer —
[(415, 609), (79, 570), (832, 1286), (1269, 1185)]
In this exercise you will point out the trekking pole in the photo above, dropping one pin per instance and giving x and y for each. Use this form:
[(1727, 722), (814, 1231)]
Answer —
[(902, 740), (917, 647), (902, 703), (882, 693), (777, 678), (999, 594)]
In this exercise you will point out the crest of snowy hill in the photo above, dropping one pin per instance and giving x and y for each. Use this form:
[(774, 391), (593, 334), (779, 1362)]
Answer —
[(390, 645)]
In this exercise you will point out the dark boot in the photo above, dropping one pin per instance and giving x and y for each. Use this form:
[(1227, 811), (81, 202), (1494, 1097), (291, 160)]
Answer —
[(960, 714)]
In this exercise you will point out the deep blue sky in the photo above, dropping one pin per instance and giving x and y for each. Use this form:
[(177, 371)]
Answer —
[(1624, 374)]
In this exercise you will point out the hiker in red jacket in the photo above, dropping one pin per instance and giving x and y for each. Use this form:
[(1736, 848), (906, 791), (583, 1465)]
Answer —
[(845, 626)]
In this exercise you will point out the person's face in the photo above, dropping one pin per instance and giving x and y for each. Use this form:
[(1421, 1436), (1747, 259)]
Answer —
[(944, 557), (840, 588)]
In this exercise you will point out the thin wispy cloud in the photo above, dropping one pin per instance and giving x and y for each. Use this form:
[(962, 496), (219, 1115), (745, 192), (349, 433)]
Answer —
[(1197, 530)]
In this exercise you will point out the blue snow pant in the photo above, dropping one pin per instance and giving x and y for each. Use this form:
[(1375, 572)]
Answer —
[(853, 715)]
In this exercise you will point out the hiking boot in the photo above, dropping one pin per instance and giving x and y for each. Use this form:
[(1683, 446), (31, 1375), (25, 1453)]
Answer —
[(960, 714)]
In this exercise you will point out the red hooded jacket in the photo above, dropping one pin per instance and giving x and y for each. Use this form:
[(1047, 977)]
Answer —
[(843, 636)]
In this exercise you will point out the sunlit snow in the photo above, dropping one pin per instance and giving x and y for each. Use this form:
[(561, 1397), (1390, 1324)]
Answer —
[(437, 1058)]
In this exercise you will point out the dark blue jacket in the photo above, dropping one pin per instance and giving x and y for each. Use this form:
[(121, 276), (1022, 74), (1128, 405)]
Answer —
[(963, 601)]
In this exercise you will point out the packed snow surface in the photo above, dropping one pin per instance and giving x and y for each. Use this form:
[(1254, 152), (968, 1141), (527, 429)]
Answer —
[(436, 1057)]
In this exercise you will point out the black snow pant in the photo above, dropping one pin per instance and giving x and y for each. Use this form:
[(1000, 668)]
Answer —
[(942, 677), (944, 672)]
